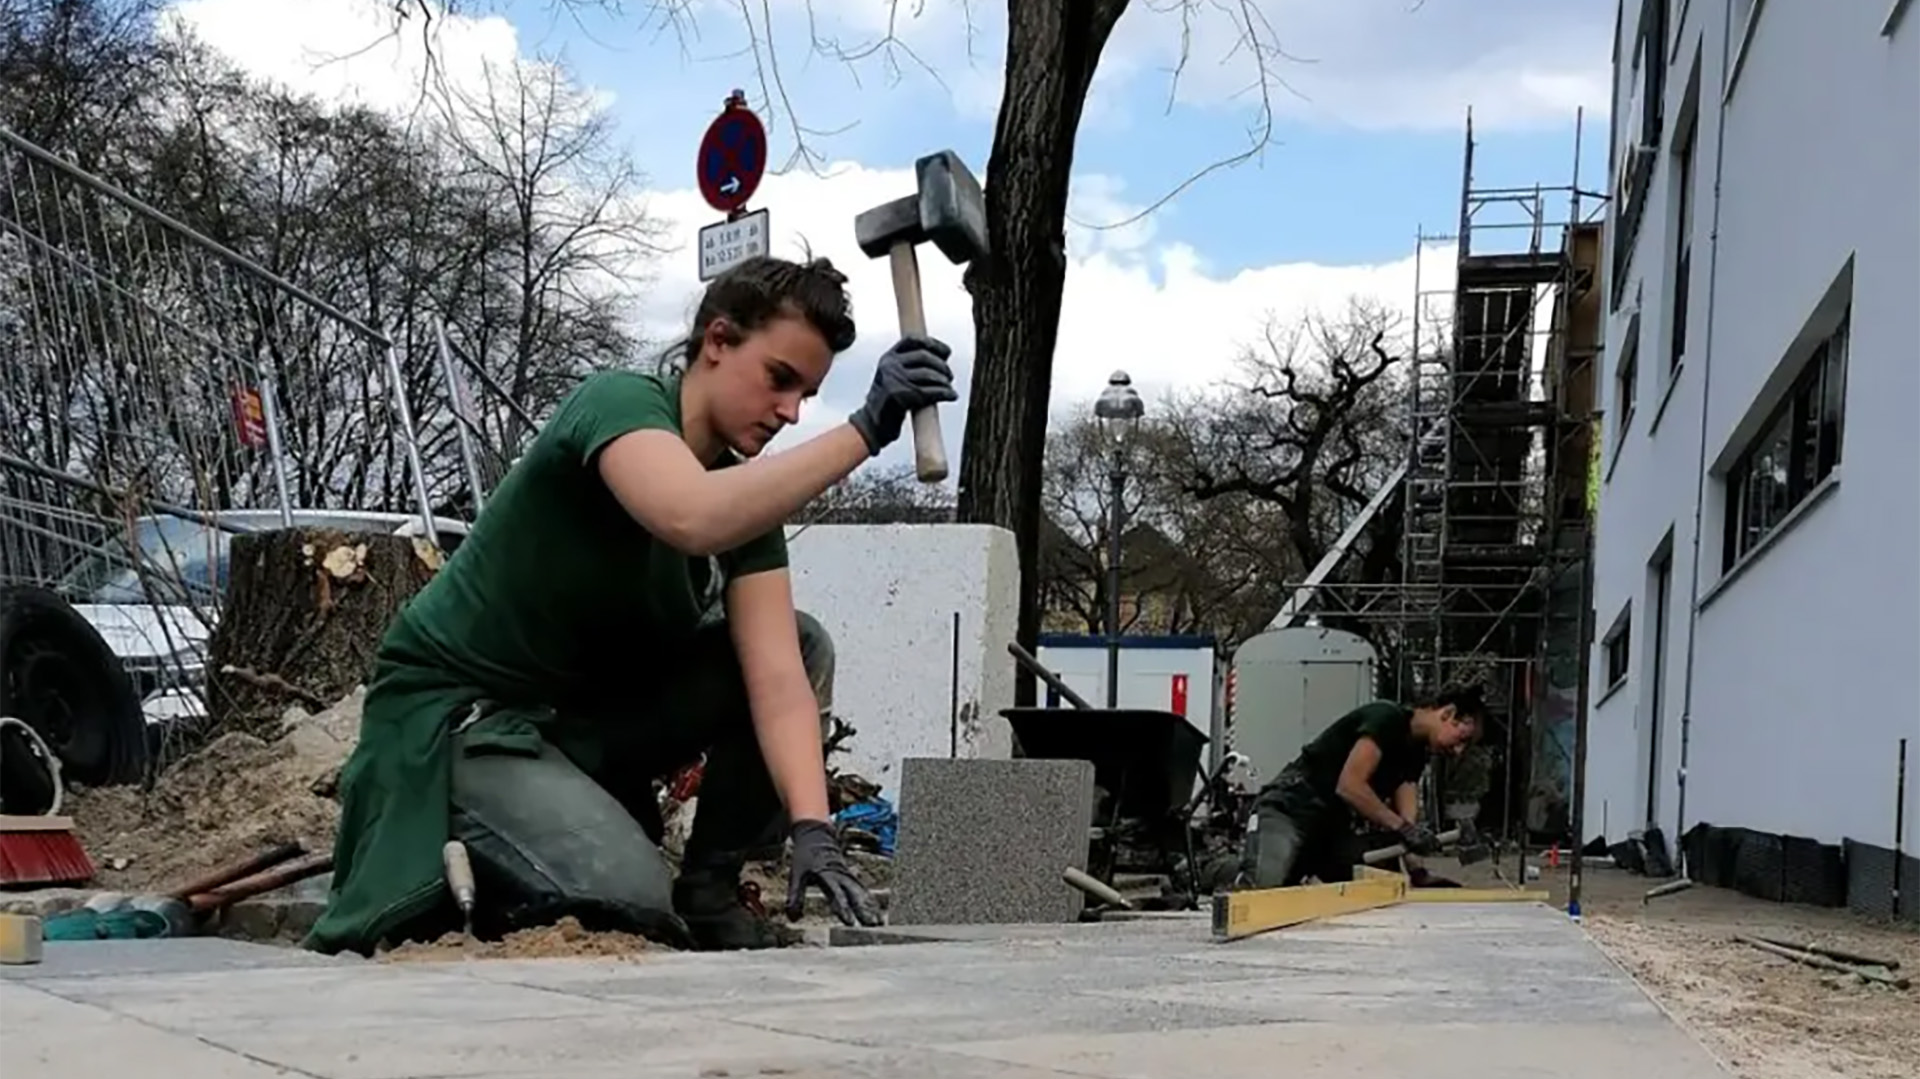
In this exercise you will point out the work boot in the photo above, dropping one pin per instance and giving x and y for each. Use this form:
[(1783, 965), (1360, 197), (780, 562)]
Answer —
[(721, 914)]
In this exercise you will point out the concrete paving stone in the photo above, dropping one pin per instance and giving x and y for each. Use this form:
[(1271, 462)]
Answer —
[(1368, 1051), (949, 1014), (686, 986), (45, 1037), (618, 1039), (120, 958), (339, 998), (851, 1063), (984, 841)]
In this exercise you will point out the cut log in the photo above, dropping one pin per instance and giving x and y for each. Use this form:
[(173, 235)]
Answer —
[(304, 613)]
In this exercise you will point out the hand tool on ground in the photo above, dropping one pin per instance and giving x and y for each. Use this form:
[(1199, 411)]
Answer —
[(1462, 842), (1094, 887), (179, 913), (460, 880), (949, 211)]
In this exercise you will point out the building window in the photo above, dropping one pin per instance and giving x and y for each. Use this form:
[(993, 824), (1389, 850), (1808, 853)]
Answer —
[(1619, 646), (1683, 249), (1644, 120), (1797, 448), (1627, 385)]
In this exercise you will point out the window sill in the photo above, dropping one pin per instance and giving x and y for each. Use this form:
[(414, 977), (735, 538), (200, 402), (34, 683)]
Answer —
[(1619, 445), (1740, 50), (1608, 693), (1787, 524), (1659, 410), (1892, 24)]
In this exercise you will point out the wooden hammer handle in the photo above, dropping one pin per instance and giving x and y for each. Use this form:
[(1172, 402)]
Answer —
[(1387, 854), (929, 445)]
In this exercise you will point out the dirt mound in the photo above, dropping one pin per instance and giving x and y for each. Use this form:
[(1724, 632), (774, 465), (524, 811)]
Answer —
[(234, 798), (565, 939)]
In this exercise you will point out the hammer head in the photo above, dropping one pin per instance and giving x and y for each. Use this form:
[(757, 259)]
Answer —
[(949, 210)]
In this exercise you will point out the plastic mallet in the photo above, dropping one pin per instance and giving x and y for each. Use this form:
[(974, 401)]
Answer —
[(949, 211)]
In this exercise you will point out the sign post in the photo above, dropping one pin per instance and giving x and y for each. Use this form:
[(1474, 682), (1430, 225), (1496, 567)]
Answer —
[(731, 162)]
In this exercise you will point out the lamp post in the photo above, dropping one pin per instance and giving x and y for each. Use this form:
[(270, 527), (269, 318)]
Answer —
[(1118, 411)]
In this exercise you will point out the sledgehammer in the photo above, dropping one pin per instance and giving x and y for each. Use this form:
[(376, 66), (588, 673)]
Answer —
[(1462, 842), (950, 211)]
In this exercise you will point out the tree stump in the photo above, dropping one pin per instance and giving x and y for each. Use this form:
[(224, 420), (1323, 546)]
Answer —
[(304, 613)]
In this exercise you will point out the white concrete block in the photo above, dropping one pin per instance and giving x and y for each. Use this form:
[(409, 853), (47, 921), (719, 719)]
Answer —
[(889, 595)]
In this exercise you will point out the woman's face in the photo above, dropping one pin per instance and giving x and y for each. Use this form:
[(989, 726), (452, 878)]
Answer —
[(763, 379)]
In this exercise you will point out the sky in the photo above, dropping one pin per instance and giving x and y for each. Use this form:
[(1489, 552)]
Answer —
[(1368, 98)]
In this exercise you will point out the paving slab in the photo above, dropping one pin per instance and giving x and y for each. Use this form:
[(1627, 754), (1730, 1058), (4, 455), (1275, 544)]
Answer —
[(1445, 992)]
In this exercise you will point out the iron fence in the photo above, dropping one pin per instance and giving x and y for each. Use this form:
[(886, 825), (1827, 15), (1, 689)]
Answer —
[(158, 390)]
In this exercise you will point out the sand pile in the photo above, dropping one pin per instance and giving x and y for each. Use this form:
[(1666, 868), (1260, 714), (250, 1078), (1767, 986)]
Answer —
[(234, 798), (565, 939)]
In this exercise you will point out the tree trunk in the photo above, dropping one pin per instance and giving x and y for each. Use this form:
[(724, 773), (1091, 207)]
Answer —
[(305, 611), (1053, 47)]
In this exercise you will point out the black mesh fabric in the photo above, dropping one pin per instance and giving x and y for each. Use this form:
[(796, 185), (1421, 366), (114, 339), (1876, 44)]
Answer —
[(1812, 872), (1758, 864), (1869, 879)]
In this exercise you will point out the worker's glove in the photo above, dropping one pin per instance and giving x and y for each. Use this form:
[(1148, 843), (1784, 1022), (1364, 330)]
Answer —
[(818, 860), (910, 376), (1418, 839)]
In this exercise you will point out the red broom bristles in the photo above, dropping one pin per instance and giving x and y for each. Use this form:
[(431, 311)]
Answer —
[(42, 850)]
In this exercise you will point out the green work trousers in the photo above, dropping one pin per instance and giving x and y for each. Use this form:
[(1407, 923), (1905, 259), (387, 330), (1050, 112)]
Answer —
[(559, 813), (1297, 833)]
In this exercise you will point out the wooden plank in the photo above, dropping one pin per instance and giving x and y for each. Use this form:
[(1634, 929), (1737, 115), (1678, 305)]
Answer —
[(1374, 872), (1237, 915), (1476, 895)]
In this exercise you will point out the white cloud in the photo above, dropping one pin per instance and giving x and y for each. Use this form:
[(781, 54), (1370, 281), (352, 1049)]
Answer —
[(1156, 309), (348, 50)]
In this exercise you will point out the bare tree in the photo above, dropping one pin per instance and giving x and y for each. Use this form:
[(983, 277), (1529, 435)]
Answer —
[(1313, 426), (534, 153), (1187, 565), (879, 495)]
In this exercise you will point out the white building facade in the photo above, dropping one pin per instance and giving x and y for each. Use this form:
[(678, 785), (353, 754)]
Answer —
[(1757, 564)]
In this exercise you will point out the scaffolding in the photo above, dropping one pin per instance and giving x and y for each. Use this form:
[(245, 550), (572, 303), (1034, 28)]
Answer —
[(1494, 493)]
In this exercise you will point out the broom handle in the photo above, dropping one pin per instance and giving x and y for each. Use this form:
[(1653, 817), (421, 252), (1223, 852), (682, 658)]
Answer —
[(261, 883), (233, 871)]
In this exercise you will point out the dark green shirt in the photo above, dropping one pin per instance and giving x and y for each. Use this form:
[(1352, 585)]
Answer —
[(558, 588), (550, 603), (1402, 757)]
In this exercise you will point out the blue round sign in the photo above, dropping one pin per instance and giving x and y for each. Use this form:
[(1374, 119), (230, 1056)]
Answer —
[(733, 157)]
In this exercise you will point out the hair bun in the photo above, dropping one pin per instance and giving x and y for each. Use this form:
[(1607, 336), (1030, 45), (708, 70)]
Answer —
[(823, 267)]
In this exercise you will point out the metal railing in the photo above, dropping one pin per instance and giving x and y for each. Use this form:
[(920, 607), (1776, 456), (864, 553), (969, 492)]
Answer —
[(153, 382)]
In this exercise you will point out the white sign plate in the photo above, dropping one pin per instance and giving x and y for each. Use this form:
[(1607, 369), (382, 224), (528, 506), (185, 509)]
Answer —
[(726, 244)]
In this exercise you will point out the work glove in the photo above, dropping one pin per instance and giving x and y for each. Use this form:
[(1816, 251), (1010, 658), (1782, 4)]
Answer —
[(1418, 839), (818, 860), (910, 376)]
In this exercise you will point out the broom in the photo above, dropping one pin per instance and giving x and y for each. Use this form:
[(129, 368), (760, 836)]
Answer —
[(41, 849)]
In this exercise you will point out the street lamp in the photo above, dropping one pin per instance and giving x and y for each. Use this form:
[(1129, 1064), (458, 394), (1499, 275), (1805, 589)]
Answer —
[(1118, 411)]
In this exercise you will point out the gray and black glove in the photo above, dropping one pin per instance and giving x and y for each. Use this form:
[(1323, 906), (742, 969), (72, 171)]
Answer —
[(818, 860), (910, 376), (1418, 839)]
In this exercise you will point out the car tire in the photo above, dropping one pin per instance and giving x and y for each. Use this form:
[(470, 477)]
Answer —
[(58, 675)]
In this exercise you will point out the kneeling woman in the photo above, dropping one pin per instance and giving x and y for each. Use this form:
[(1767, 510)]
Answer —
[(622, 606)]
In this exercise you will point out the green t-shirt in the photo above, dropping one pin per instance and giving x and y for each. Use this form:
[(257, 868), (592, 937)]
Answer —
[(557, 591), (1402, 758)]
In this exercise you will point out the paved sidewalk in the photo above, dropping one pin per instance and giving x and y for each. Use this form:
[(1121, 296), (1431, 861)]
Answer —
[(1439, 992)]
